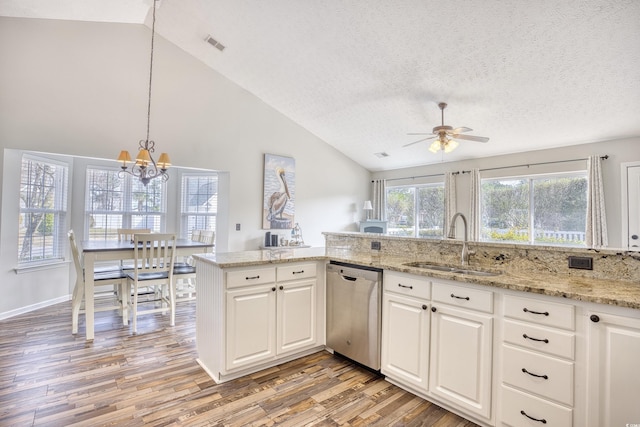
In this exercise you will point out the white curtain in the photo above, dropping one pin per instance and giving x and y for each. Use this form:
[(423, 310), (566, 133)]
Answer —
[(474, 214), (449, 199), (596, 217), (379, 199)]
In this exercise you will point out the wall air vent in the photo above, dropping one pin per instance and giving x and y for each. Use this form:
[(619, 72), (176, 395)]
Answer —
[(215, 43)]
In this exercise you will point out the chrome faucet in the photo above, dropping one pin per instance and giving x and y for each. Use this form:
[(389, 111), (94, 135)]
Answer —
[(452, 235)]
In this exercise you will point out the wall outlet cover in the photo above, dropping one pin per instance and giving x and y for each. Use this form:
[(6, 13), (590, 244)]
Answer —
[(375, 246), (581, 262)]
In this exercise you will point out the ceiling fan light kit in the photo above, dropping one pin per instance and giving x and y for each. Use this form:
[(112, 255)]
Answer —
[(446, 136)]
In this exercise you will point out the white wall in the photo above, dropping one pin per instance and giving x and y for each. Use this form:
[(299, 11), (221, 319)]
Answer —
[(619, 151), (80, 89)]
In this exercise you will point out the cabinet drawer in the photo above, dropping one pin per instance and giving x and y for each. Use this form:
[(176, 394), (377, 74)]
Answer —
[(295, 272), (540, 338), (540, 312), (519, 409), (249, 277), (407, 284), (461, 296), (543, 375)]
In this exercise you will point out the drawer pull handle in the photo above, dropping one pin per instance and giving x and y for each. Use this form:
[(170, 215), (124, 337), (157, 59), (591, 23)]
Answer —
[(525, 336), (526, 310), (405, 286), (251, 277), (456, 296), (535, 375), (298, 272), (541, 420)]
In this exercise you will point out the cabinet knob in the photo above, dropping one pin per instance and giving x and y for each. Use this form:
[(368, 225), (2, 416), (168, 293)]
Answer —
[(594, 318), (433, 309), (634, 237), (281, 287), (273, 289), (424, 306)]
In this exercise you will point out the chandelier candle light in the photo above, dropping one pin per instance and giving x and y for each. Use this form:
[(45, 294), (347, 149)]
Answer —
[(145, 167)]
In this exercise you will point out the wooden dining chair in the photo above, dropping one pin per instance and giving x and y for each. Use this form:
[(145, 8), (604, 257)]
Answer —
[(112, 298), (152, 275), (208, 236)]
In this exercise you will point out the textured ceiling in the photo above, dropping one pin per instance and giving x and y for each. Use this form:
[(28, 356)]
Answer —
[(361, 74)]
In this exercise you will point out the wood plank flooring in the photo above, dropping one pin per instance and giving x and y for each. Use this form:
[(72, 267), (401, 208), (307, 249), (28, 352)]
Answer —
[(48, 377)]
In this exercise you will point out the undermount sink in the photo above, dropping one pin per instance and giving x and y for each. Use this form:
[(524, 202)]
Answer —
[(448, 269)]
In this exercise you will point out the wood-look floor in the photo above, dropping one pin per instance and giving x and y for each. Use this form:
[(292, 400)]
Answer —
[(48, 377)]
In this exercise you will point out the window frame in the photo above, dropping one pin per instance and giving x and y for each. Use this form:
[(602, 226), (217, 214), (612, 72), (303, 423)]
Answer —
[(127, 213), (59, 211), (530, 179), (210, 216), (416, 207)]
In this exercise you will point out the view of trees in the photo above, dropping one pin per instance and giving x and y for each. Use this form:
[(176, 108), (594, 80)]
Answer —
[(554, 206), (402, 212), (38, 213)]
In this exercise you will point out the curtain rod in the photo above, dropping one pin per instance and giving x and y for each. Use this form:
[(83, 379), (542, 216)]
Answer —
[(605, 157), (419, 176)]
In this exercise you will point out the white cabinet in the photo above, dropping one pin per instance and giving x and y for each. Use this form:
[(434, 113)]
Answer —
[(272, 318), (537, 369), (406, 330), (462, 347), (613, 378), (251, 325), (296, 308), (256, 317)]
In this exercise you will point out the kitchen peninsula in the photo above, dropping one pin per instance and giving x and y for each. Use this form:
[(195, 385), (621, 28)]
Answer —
[(257, 309)]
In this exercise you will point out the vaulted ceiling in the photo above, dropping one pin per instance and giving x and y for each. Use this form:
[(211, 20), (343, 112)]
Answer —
[(361, 74)]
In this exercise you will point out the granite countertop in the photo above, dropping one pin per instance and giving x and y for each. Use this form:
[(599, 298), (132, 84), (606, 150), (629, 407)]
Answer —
[(612, 292)]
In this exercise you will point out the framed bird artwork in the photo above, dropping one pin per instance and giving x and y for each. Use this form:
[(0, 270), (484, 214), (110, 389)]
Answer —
[(278, 207)]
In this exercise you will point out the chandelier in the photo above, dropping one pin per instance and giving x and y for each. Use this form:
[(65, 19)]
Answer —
[(145, 167)]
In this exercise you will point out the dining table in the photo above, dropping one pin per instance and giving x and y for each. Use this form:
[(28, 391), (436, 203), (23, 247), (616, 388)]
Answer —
[(95, 251)]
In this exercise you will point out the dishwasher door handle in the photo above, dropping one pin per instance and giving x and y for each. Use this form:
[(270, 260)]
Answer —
[(349, 278)]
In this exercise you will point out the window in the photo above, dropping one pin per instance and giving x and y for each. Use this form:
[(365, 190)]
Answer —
[(416, 211), (542, 210), (199, 203), (43, 208), (113, 202)]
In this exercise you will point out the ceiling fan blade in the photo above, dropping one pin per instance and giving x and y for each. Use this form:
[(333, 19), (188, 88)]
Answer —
[(420, 133), (470, 138), (460, 130), (420, 140)]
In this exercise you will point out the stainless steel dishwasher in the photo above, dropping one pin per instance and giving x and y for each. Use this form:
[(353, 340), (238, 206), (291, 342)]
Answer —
[(354, 308)]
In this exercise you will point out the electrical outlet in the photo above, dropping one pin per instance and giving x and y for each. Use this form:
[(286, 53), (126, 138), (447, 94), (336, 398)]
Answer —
[(237, 227), (375, 246), (581, 262)]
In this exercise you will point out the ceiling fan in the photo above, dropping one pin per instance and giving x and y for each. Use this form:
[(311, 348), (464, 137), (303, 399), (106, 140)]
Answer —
[(446, 136)]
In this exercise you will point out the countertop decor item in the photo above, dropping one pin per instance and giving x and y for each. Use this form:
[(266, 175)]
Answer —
[(145, 167)]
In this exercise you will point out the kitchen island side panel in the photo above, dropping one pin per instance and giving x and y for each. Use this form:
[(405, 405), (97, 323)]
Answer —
[(210, 317)]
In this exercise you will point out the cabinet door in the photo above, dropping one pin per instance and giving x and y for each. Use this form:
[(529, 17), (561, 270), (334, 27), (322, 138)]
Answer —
[(461, 358), (405, 340), (296, 308), (251, 325), (614, 374)]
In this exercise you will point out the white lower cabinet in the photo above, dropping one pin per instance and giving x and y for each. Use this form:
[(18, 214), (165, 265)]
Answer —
[(613, 377), (252, 318), (538, 367), (438, 346), (462, 348), (406, 330)]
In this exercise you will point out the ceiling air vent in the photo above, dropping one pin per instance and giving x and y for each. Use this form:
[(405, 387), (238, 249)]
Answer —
[(381, 155), (215, 43)]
